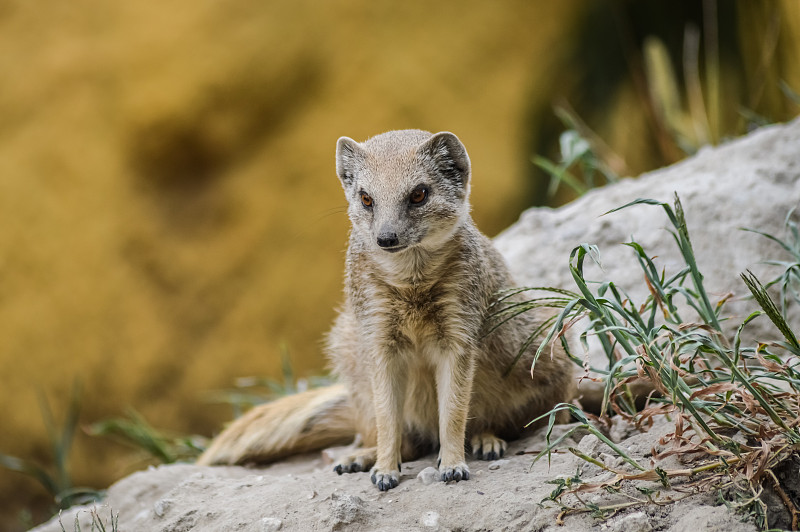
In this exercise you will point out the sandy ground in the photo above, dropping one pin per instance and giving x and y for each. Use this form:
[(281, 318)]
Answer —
[(304, 494)]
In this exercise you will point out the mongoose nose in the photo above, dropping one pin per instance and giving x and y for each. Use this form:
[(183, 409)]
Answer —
[(388, 240)]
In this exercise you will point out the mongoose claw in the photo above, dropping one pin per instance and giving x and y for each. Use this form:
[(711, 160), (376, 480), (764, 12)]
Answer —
[(455, 473), (385, 481)]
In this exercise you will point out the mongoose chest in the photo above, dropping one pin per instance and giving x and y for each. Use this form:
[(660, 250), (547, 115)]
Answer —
[(421, 315)]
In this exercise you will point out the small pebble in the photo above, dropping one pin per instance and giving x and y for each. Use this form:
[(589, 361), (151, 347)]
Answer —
[(428, 475), (162, 506), (497, 464), (589, 445), (311, 494), (635, 522), (430, 519), (271, 524)]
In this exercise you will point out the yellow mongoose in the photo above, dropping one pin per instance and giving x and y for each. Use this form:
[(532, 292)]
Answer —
[(410, 348)]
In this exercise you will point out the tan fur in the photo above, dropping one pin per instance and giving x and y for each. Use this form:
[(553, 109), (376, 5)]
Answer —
[(305, 422), (410, 344)]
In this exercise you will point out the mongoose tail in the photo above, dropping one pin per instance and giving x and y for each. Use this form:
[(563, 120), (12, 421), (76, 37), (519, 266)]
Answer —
[(295, 424)]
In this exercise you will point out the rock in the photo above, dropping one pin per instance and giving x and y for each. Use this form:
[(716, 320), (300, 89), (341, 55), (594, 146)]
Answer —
[(345, 510), (428, 475), (633, 522), (161, 506), (497, 464), (609, 460), (589, 445), (430, 520), (710, 519), (271, 524)]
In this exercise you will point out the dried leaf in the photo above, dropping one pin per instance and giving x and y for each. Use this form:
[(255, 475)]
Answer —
[(715, 389), (770, 365)]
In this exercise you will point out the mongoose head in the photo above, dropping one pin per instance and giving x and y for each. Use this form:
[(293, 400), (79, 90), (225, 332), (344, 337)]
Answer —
[(404, 188)]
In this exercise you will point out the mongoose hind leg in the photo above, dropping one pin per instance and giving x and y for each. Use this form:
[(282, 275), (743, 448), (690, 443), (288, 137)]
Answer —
[(487, 446), (361, 460)]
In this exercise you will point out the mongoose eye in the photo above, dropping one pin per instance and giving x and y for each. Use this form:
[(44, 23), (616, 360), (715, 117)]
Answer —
[(366, 199), (418, 196)]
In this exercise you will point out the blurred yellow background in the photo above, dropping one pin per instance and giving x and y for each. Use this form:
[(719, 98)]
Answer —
[(169, 210)]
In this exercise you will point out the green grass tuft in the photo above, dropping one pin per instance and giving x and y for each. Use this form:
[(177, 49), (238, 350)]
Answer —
[(157, 445), (55, 477)]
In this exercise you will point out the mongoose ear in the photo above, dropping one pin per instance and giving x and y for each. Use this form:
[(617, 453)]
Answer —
[(349, 158), (449, 156)]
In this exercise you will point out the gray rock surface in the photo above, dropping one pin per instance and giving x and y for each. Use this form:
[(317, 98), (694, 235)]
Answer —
[(173, 498)]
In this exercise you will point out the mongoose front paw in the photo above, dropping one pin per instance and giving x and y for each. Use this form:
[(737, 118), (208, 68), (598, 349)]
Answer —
[(456, 472), (384, 481), (487, 446)]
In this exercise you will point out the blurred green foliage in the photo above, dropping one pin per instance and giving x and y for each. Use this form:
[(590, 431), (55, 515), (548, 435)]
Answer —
[(55, 476)]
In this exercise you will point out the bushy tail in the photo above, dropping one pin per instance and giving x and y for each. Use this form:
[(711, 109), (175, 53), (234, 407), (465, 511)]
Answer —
[(295, 424)]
